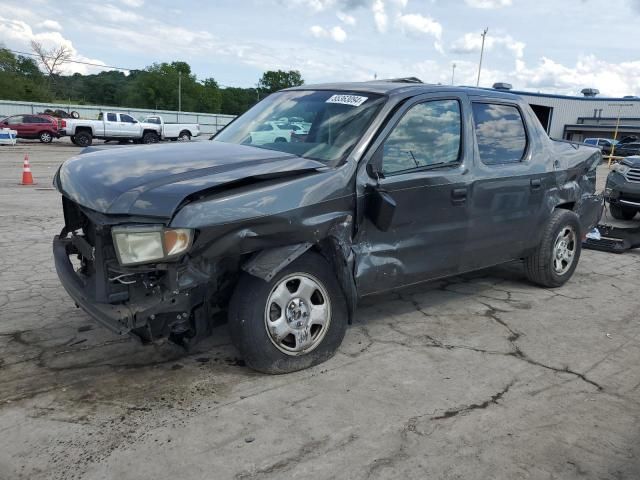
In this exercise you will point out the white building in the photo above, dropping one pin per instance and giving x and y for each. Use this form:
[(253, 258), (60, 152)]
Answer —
[(577, 118)]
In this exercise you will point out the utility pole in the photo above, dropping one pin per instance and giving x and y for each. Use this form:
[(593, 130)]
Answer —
[(484, 34), (453, 73), (179, 94)]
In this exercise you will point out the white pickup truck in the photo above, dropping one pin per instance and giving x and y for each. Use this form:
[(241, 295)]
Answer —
[(174, 131), (111, 126)]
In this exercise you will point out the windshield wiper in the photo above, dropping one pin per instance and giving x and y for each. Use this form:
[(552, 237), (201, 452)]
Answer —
[(435, 166)]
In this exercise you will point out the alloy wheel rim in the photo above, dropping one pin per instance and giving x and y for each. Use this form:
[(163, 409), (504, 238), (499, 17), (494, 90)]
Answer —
[(46, 137), (297, 314), (564, 250)]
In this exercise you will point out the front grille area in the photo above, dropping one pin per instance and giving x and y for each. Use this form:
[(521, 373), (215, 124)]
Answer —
[(633, 175)]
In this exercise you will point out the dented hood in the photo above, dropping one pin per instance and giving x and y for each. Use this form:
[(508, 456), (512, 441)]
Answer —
[(154, 180)]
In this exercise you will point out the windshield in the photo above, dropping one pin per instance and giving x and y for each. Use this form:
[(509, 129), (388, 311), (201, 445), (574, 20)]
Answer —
[(320, 125)]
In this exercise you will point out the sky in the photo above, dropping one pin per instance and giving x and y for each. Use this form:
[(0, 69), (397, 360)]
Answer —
[(552, 46)]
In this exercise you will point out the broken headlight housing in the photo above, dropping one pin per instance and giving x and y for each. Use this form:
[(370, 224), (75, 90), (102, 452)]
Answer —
[(137, 244)]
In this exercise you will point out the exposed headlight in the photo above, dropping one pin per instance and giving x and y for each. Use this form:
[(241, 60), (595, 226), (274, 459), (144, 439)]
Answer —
[(621, 169), (143, 244)]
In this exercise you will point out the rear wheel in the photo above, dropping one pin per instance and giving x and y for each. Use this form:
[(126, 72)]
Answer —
[(295, 321), (73, 139), (45, 137), (150, 137), (622, 213), (557, 255), (83, 139), (184, 136), (280, 140)]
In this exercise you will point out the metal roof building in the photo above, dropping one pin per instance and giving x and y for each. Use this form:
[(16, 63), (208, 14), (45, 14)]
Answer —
[(577, 118)]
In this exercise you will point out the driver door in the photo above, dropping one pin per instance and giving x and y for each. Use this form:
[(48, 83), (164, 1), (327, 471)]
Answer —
[(421, 161)]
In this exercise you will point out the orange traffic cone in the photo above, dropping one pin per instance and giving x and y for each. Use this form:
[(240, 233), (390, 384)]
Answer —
[(27, 177)]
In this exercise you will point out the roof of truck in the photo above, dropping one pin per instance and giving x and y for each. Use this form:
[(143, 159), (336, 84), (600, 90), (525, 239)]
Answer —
[(404, 87)]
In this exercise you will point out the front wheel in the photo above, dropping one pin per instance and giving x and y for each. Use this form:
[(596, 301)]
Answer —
[(557, 255), (622, 213), (295, 321)]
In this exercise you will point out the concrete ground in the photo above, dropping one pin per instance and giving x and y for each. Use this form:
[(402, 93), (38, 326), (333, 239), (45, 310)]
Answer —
[(478, 377)]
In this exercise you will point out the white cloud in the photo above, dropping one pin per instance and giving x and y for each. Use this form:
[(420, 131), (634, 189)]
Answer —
[(380, 16), (414, 23), (336, 33), (472, 42), (488, 4), (346, 18), (133, 3), (114, 14), (20, 34), (50, 25)]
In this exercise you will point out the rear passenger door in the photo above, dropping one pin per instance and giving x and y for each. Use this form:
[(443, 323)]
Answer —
[(111, 125), (506, 201), (423, 156)]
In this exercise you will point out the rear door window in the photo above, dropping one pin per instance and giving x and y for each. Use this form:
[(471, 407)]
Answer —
[(18, 119), (500, 133), (111, 117)]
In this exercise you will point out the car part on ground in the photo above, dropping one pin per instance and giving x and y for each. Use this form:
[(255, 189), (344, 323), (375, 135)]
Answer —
[(296, 232), (613, 239)]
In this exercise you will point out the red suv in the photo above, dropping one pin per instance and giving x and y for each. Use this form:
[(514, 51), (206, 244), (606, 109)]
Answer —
[(43, 127)]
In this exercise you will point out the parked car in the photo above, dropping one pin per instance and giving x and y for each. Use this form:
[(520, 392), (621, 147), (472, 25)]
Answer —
[(111, 126), (627, 149), (174, 131), (271, 132), (396, 183), (623, 189), (604, 144), (42, 127)]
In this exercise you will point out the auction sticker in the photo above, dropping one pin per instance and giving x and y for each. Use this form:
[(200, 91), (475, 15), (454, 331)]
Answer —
[(353, 100)]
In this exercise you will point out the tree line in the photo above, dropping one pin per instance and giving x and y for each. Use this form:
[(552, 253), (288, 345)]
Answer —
[(154, 87)]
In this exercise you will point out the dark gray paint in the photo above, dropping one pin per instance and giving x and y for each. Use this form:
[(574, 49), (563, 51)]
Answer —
[(245, 200)]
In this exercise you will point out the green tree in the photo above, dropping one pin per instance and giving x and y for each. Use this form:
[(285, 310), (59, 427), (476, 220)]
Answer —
[(272, 81), (21, 79)]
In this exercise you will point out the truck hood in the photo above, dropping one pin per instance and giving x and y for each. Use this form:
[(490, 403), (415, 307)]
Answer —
[(632, 161), (154, 180)]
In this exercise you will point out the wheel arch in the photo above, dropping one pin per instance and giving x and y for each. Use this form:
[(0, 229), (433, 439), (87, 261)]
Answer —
[(268, 262)]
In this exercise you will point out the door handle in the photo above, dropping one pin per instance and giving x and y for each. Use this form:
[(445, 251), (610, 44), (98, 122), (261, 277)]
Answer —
[(458, 196), (536, 184)]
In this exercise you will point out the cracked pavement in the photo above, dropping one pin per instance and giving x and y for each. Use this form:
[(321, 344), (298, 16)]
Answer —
[(482, 376)]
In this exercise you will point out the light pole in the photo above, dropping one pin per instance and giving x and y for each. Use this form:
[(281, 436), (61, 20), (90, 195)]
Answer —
[(453, 73), (179, 94), (483, 35)]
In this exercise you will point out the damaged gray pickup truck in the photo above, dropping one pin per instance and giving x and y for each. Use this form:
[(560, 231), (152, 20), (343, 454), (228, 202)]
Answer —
[(384, 184)]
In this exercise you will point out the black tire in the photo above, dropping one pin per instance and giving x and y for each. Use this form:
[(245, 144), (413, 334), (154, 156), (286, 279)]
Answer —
[(280, 140), (75, 114), (83, 139), (622, 213), (540, 267), (184, 136), (73, 139), (45, 137), (248, 318), (150, 137)]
